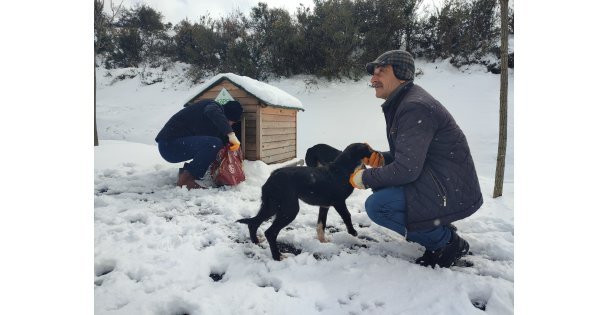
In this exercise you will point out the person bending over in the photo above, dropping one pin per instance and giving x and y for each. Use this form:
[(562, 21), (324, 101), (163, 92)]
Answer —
[(197, 133)]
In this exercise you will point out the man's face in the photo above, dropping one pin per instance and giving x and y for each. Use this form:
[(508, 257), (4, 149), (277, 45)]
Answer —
[(384, 81)]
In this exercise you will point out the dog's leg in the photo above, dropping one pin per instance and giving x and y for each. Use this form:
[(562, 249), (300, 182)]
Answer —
[(283, 218), (322, 223), (266, 211), (343, 212)]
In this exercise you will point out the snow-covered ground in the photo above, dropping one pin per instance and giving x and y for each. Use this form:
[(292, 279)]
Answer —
[(159, 249)]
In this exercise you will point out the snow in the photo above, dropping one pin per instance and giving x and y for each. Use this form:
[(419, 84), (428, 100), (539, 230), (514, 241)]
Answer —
[(271, 95), (156, 246)]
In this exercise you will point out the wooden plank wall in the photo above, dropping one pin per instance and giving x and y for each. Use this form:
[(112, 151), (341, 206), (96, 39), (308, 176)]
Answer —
[(278, 126), (251, 113)]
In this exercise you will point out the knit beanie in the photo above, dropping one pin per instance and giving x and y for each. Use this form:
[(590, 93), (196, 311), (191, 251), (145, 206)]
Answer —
[(233, 110), (401, 60)]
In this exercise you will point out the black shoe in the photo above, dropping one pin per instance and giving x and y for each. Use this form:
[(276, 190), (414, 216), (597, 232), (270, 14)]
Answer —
[(447, 255)]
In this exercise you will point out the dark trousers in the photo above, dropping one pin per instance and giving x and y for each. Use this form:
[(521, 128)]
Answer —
[(202, 150), (387, 207)]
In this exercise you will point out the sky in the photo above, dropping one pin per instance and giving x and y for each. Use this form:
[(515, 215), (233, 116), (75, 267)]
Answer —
[(156, 245)]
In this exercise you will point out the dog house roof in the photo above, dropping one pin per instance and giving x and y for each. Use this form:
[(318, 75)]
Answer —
[(269, 94)]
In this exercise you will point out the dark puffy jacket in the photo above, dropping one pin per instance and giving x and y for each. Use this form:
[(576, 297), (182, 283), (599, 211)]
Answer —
[(203, 118), (429, 157)]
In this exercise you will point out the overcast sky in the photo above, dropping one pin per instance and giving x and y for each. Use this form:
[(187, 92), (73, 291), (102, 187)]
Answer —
[(176, 10)]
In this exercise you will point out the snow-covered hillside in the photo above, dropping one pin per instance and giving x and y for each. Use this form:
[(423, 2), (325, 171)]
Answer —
[(159, 249)]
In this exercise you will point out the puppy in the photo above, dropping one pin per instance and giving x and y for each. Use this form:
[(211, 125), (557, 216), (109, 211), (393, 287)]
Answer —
[(319, 155), (324, 186)]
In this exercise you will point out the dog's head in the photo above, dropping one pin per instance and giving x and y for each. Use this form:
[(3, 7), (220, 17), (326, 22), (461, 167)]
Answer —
[(358, 152)]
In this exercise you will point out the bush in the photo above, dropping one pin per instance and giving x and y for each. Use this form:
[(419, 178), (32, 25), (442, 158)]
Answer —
[(333, 40)]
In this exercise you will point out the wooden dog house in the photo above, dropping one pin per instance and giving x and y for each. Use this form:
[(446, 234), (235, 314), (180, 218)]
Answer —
[(269, 121)]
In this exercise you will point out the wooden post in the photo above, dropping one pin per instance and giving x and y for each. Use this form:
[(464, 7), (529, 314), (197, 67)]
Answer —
[(504, 83), (95, 141), (243, 136)]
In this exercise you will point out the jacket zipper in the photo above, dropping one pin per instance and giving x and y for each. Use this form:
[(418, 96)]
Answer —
[(439, 188)]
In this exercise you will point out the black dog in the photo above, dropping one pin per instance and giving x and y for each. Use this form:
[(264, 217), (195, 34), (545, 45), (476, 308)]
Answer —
[(324, 186), (319, 155)]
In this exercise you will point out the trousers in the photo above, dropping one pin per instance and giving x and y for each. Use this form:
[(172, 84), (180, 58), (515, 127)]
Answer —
[(387, 207), (202, 150)]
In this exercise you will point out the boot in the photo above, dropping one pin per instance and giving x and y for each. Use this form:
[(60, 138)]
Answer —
[(447, 255), (187, 179)]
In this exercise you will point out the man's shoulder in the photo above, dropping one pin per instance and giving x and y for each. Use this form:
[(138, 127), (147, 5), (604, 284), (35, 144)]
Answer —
[(419, 97), (418, 103), (418, 93)]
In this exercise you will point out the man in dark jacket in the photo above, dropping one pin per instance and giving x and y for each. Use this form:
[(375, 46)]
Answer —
[(428, 178), (197, 133)]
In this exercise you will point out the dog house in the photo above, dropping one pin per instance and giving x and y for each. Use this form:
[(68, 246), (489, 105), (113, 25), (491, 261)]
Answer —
[(268, 128)]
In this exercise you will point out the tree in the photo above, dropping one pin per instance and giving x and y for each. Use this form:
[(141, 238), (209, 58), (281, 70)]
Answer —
[(504, 81), (198, 45), (383, 26), (331, 38), (274, 41), (237, 46), (103, 44), (140, 36)]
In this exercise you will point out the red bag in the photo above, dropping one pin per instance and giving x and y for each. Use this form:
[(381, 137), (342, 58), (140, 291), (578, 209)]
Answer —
[(227, 169)]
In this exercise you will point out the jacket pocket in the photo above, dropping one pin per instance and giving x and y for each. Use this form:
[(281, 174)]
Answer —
[(440, 189)]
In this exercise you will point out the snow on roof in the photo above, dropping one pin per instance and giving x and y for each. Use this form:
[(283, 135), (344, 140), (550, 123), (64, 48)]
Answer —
[(271, 95)]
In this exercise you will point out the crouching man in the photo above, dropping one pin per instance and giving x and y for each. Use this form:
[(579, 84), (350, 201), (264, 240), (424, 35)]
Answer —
[(427, 180)]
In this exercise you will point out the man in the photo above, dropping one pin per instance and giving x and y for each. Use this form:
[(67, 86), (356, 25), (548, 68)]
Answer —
[(197, 133), (427, 180)]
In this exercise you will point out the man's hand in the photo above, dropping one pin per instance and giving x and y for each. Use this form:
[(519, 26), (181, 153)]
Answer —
[(235, 143), (356, 179), (375, 160)]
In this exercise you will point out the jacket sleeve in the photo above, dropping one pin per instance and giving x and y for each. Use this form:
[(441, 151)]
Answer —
[(388, 157), (412, 134), (215, 113)]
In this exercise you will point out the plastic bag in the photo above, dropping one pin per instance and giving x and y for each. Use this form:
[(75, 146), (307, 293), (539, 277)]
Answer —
[(227, 169)]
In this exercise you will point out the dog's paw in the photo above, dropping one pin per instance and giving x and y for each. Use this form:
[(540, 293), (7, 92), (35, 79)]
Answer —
[(281, 257), (353, 232), (286, 255), (321, 233), (260, 239)]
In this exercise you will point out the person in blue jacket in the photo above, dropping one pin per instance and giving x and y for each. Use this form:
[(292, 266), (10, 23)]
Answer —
[(427, 180), (197, 133)]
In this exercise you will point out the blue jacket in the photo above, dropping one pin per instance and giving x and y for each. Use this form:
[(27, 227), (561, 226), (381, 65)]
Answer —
[(203, 118), (430, 157)]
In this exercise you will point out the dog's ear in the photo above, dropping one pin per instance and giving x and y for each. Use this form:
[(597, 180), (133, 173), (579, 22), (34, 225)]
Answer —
[(366, 150), (360, 151)]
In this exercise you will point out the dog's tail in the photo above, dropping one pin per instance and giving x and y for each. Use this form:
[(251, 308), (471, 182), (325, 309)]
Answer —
[(264, 214), (245, 220)]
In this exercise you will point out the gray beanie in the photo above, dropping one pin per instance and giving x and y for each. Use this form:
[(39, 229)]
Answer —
[(401, 60)]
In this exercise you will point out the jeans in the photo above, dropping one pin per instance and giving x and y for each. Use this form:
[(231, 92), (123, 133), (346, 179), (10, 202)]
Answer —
[(202, 150), (387, 207)]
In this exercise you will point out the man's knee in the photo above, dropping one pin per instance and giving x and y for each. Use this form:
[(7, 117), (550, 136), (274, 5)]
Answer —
[(212, 146), (216, 143), (372, 207)]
